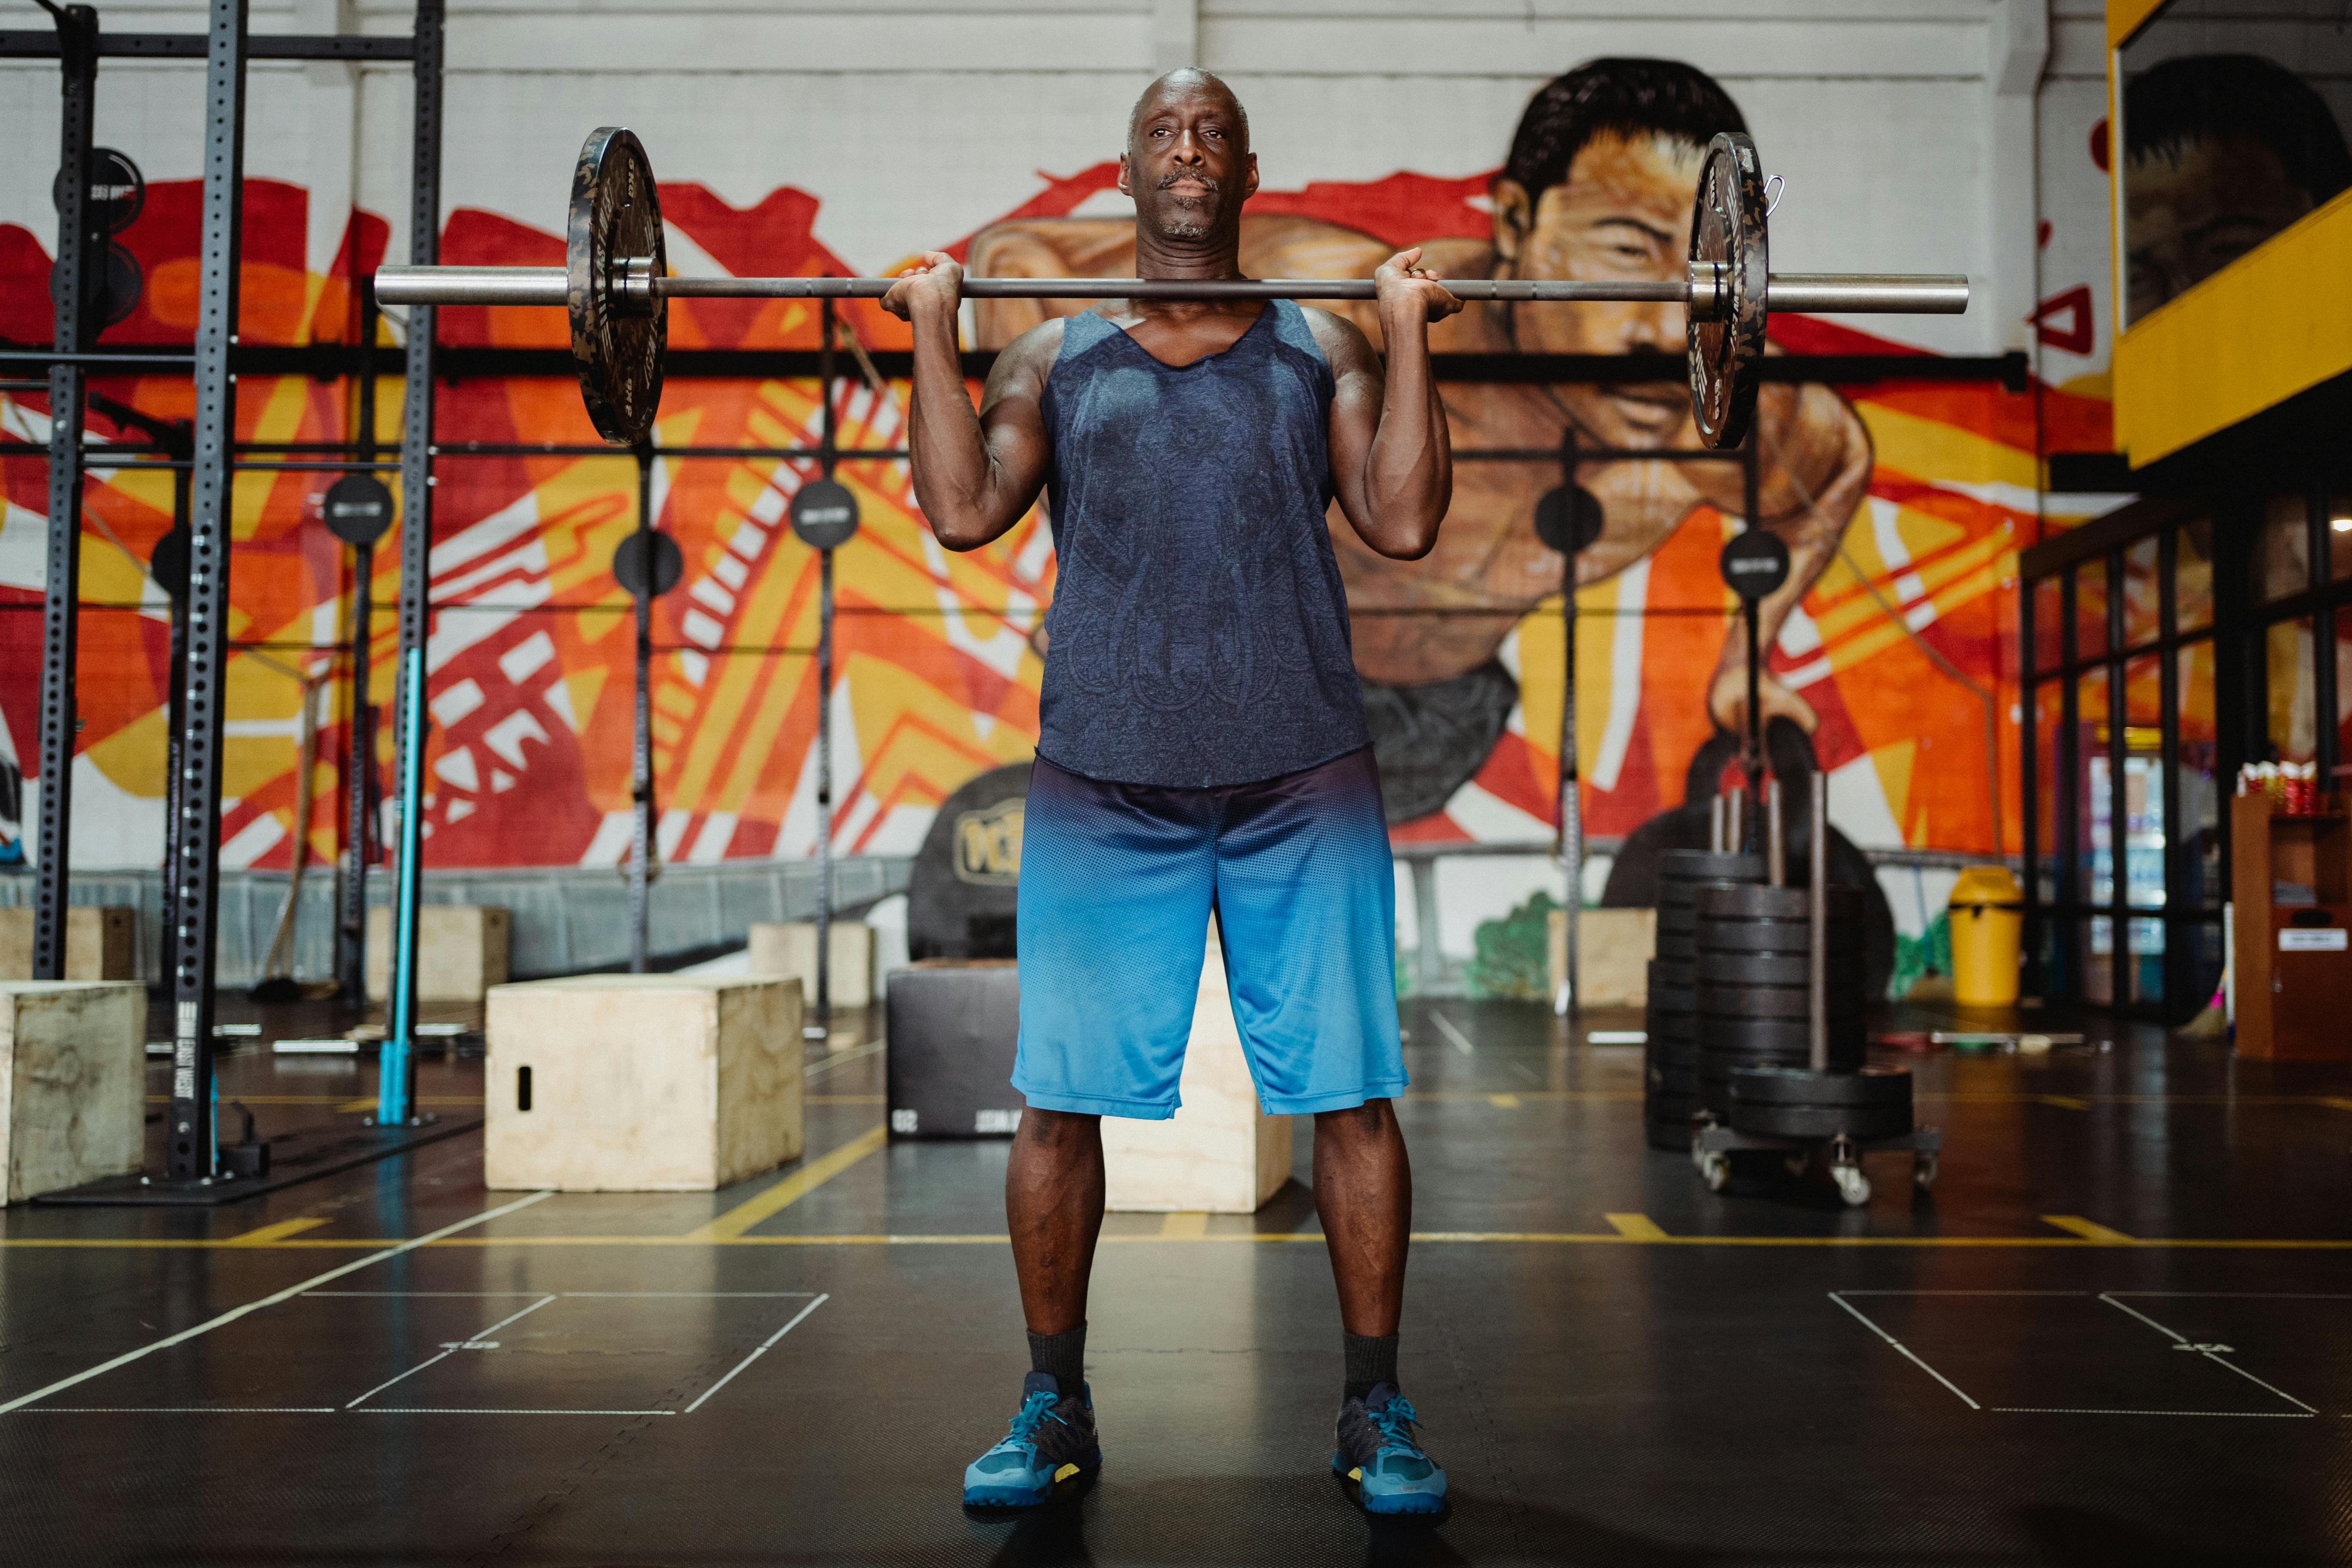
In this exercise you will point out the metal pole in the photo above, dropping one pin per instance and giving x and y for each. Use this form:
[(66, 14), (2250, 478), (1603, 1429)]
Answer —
[(1776, 849), (1572, 806), (1817, 914), (396, 1066), (175, 715), (1752, 613), (641, 734), (358, 763), (827, 445), (78, 260), (189, 1129)]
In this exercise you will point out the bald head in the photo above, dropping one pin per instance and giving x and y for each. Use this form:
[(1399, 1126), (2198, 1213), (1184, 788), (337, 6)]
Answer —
[(1181, 82)]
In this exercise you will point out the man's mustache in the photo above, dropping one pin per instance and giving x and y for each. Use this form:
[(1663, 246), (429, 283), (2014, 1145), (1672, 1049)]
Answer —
[(1206, 182)]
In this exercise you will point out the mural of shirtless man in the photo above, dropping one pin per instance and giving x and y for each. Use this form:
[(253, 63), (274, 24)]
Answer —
[(1597, 184)]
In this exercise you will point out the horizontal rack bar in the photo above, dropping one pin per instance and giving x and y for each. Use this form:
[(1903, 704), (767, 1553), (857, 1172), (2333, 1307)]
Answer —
[(43, 44)]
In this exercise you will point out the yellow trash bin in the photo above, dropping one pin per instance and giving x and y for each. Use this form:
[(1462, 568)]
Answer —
[(1987, 912)]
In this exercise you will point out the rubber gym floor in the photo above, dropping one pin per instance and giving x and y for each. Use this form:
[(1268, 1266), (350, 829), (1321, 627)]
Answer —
[(2117, 1329)]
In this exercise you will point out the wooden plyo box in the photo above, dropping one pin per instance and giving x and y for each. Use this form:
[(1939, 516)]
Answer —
[(641, 1082), (788, 949), (1614, 948), (461, 952), (1219, 1153), (73, 1083), (101, 943)]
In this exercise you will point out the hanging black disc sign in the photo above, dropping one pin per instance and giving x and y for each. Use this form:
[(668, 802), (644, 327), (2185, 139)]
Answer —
[(1755, 564), (1569, 518), (629, 561), (357, 508), (825, 514)]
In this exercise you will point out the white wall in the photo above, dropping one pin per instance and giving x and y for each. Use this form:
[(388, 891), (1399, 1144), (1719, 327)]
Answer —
[(1906, 129)]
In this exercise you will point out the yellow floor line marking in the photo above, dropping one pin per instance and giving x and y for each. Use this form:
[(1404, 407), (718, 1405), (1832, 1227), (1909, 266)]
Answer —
[(278, 1232), (2075, 1225), (988, 1238), (731, 1226), (1184, 1225), (1636, 1226), (1503, 1102)]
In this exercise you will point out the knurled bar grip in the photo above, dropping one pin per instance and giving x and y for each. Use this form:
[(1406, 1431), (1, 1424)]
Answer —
[(1813, 293)]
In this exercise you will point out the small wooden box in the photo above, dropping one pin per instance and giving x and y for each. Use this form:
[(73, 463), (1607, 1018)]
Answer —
[(788, 949), (1219, 1153), (1614, 948), (73, 1083), (641, 1082), (101, 943), (461, 952)]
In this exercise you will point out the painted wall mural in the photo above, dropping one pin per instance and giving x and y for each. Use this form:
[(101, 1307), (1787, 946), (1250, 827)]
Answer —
[(1891, 650)]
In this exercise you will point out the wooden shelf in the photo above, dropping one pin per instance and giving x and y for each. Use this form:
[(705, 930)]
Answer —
[(2290, 996)]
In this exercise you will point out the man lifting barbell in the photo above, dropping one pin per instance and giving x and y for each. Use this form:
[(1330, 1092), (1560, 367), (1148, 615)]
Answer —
[(1202, 749)]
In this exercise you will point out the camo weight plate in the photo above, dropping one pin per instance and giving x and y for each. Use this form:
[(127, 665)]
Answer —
[(1727, 241), (617, 343)]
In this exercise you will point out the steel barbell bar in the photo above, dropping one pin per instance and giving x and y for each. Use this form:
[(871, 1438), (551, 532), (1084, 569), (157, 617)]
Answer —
[(1814, 293), (615, 285)]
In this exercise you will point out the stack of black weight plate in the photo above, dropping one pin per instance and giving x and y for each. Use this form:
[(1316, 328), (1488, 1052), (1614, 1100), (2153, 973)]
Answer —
[(1671, 1075), (1787, 1102), (1752, 992)]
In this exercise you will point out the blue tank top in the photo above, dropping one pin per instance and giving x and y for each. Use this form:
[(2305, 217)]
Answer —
[(1198, 636)]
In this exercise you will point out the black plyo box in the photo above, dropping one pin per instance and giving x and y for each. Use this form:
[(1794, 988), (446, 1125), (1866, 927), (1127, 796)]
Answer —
[(952, 1025)]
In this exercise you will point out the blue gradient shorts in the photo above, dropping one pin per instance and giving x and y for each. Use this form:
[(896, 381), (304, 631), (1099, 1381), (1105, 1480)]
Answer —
[(1118, 882)]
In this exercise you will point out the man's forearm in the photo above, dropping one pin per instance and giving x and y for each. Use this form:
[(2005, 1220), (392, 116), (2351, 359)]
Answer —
[(945, 447), (1409, 471)]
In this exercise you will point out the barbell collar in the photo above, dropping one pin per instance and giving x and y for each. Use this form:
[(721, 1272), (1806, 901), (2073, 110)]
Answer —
[(1812, 293)]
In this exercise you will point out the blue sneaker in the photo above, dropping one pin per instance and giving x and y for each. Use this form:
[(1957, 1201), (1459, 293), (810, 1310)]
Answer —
[(1052, 1439), (1379, 1452)]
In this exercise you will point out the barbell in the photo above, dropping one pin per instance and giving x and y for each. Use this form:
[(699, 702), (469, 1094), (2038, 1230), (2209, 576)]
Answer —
[(616, 286)]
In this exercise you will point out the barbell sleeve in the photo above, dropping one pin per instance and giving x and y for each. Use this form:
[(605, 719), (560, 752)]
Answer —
[(1813, 293)]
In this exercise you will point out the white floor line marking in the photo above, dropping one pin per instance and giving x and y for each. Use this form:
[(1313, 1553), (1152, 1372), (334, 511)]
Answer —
[(472, 1296), (823, 1068), (446, 1353), (1899, 1345), (185, 1410), (1445, 1027), (1964, 1292), (2232, 1415), (2178, 1339), (234, 1313), (756, 1354), (2213, 1356), (454, 1410), (699, 1296), (2244, 1295)]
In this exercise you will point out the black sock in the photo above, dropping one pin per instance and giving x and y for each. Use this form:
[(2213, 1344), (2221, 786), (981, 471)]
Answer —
[(1064, 1355), (1371, 1360)]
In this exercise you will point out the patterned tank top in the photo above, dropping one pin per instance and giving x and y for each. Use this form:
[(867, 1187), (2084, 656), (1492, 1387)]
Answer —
[(1198, 636)]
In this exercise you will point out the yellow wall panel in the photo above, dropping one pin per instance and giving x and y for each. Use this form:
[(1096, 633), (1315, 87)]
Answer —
[(2269, 325)]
